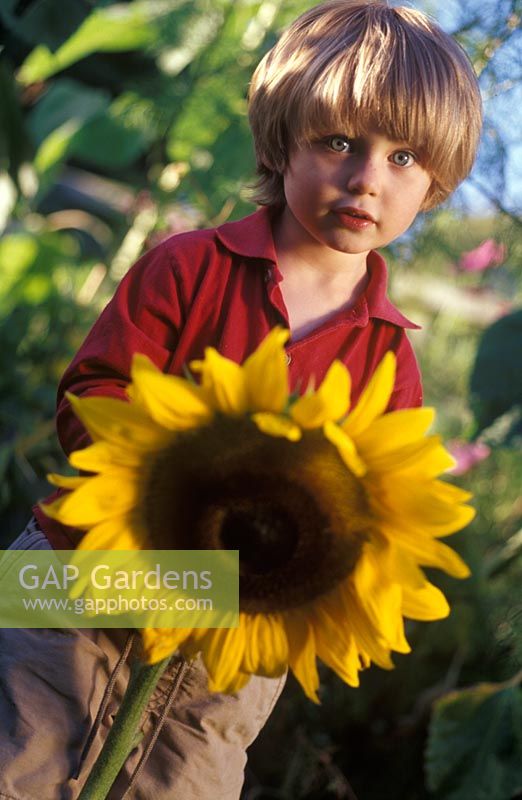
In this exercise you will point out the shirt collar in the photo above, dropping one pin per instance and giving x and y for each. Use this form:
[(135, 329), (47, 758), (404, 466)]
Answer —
[(375, 297), (252, 237)]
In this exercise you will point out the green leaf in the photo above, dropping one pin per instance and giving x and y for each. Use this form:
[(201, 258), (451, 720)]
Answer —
[(47, 22), (114, 140), (17, 253), (54, 149), (496, 379), (15, 147), (475, 743), (113, 29), (29, 265), (57, 119), (64, 100), (205, 114)]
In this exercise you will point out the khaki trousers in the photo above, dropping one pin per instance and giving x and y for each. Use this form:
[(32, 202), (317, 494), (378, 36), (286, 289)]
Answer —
[(59, 693)]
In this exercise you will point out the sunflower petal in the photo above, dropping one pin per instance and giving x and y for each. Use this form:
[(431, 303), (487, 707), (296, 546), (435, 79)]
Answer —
[(426, 458), (266, 373), (329, 403), (158, 643), (336, 646), (448, 493), (225, 382), (266, 646), (380, 598), (117, 421), (420, 506), (370, 643), (120, 533), (346, 448), (394, 431), (277, 425), (302, 656), (374, 399), (420, 599), (222, 651), (426, 604), (239, 680), (104, 455), (66, 481), (100, 498), (172, 402), (427, 552)]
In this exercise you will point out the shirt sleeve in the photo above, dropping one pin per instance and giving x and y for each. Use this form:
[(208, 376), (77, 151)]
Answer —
[(144, 316), (407, 392)]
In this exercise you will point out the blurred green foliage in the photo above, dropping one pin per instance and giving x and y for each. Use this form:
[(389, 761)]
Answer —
[(475, 745), (121, 123)]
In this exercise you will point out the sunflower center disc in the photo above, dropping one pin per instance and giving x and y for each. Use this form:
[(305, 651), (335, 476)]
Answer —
[(295, 512), (265, 537)]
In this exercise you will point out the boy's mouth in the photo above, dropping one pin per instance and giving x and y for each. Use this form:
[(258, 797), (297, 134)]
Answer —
[(354, 218), (358, 213)]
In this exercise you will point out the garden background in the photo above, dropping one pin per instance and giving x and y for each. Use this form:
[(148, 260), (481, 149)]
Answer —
[(122, 123)]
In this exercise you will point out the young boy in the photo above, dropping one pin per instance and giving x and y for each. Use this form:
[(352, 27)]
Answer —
[(362, 115)]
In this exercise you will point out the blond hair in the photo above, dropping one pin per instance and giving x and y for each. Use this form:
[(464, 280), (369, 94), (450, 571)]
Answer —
[(347, 66)]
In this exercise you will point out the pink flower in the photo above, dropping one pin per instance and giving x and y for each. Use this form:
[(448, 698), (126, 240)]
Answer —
[(467, 454), (486, 255)]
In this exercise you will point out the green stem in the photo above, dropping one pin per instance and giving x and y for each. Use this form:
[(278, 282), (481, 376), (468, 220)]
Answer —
[(121, 738)]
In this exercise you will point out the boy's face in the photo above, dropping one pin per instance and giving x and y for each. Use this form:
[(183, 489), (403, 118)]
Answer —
[(352, 195)]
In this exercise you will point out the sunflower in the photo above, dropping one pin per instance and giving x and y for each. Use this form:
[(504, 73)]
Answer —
[(334, 510)]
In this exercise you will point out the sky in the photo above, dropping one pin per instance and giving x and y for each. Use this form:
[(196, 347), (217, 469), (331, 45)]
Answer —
[(502, 102)]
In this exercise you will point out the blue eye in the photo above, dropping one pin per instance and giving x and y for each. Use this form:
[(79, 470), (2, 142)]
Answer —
[(403, 158), (340, 144)]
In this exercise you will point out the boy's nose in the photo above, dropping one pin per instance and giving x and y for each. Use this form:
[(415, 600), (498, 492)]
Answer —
[(363, 177)]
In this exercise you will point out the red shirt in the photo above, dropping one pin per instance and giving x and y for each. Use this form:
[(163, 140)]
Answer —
[(221, 288)]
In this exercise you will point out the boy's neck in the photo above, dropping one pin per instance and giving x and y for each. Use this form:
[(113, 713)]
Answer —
[(317, 281), (314, 264)]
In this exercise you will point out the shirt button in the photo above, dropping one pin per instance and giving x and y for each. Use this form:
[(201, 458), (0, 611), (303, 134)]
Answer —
[(288, 358)]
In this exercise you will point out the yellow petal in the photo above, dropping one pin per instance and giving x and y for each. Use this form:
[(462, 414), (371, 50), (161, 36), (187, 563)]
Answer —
[(336, 645), (368, 639), (394, 431), (301, 655), (225, 382), (222, 651), (448, 493), (239, 680), (266, 645), (426, 604), (67, 481), (426, 458), (100, 456), (329, 403), (98, 499), (346, 448), (117, 421), (427, 552), (420, 599), (419, 506), (158, 643), (380, 598), (171, 401), (193, 644), (374, 399), (119, 533), (278, 426), (266, 373)]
